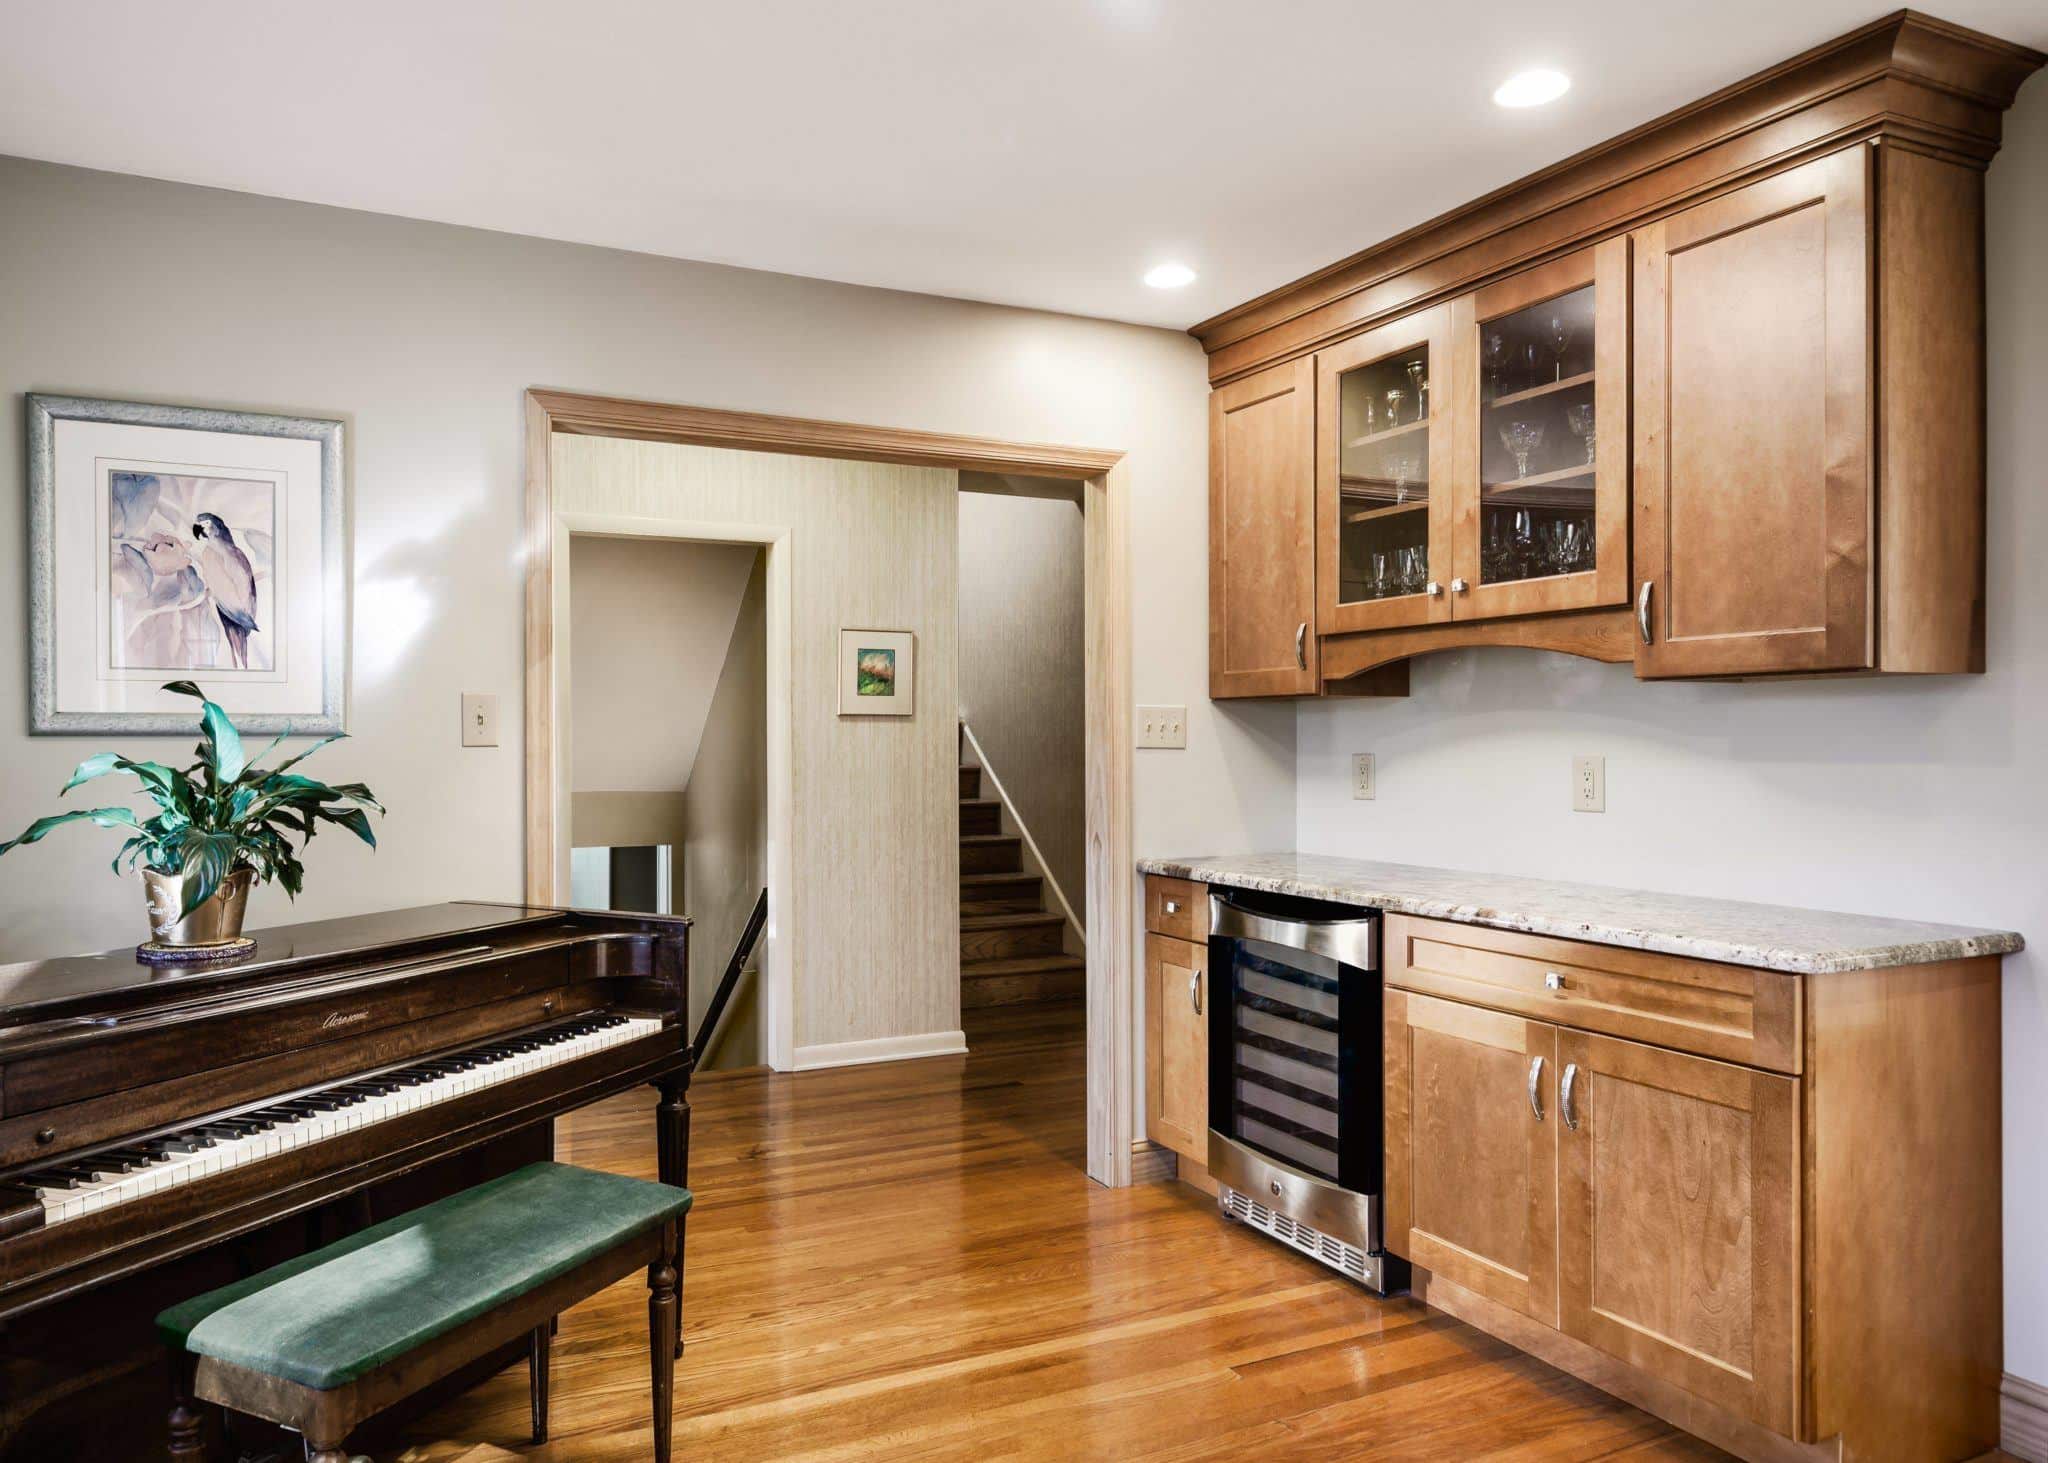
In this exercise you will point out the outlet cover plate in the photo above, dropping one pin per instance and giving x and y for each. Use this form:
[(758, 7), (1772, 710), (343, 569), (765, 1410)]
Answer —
[(1589, 784), (1163, 726), (1362, 776), (479, 719)]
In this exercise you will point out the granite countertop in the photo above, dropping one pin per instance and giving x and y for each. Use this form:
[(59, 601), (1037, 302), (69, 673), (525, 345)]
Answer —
[(1769, 936)]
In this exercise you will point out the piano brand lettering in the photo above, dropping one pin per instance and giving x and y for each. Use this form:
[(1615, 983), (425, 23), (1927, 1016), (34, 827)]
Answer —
[(341, 1018)]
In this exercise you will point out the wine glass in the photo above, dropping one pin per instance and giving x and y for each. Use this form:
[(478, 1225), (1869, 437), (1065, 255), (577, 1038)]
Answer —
[(1521, 439), (1524, 543), (1379, 576), (1371, 418), (1560, 341), (1407, 469), (1411, 569), (1495, 352), (1394, 400), (1532, 367), (1418, 377), (1579, 417)]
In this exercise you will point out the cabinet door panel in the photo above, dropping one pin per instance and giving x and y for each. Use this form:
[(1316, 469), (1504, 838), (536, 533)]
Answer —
[(1471, 1164), (1678, 1225), (1752, 395), (1177, 1045), (1262, 556)]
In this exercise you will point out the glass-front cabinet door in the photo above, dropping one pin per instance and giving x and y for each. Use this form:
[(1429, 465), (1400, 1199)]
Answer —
[(1542, 469), (1386, 421)]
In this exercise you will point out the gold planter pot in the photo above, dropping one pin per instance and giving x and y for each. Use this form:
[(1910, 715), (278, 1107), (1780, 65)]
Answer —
[(216, 923)]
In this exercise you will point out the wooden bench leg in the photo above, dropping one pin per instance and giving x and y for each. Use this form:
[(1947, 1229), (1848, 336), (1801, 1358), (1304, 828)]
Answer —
[(672, 1158), (188, 1423), (537, 1377), (662, 1321)]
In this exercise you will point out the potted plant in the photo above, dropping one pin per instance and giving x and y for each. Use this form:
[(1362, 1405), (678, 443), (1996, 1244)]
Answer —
[(221, 825)]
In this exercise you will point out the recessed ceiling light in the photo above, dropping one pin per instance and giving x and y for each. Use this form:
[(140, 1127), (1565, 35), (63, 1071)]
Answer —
[(1169, 276), (1531, 88)]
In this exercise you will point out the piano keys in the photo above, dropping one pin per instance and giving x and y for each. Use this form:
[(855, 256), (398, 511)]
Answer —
[(147, 1113)]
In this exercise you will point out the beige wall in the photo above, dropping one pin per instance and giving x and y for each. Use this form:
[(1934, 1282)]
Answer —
[(725, 823), (422, 337), (874, 901), (1022, 658), (651, 618)]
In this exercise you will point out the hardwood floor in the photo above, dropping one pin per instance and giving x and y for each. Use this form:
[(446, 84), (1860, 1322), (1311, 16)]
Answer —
[(905, 1261)]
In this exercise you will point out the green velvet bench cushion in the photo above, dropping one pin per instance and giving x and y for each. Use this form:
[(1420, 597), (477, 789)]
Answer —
[(325, 1319)]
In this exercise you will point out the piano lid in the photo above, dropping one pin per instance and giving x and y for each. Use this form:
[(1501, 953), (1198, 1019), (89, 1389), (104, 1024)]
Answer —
[(31, 989)]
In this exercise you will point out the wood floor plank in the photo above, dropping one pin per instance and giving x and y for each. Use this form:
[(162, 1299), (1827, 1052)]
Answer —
[(906, 1261)]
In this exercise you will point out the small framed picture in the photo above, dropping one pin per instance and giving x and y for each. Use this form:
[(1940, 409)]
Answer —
[(171, 543), (877, 672)]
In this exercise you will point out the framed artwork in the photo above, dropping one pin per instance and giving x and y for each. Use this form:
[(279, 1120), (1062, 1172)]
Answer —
[(176, 543), (877, 672)]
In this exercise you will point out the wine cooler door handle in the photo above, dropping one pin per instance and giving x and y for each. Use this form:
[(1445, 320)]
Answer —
[(1301, 646), (1643, 609), (1195, 991), (1564, 1095), (1536, 1087)]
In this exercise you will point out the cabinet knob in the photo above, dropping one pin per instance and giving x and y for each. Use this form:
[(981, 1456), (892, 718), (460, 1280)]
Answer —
[(1552, 981), (46, 1136), (1459, 586), (1434, 589), (1173, 906)]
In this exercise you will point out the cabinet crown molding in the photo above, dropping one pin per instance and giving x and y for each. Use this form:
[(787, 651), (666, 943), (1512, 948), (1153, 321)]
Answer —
[(1909, 78)]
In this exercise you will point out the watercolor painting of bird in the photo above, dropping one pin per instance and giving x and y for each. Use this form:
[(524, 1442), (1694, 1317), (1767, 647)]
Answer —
[(231, 581), (192, 580)]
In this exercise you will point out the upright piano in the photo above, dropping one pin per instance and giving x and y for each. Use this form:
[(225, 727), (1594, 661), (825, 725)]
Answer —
[(147, 1114)]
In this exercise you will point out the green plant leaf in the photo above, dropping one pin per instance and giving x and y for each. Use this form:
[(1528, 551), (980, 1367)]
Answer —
[(184, 688), (104, 817), (208, 857), (291, 762), (353, 819), (225, 758), (90, 768)]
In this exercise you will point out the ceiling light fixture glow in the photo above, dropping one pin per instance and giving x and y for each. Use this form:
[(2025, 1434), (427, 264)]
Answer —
[(1531, 88), (1169, 276)]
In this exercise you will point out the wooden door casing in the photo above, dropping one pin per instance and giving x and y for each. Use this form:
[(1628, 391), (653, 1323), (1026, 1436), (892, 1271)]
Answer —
[(1430, 328), (1605, 266), (1471, 1166), (1262, 526), (1679, 1221), (1752, 427), (1177, 1045)]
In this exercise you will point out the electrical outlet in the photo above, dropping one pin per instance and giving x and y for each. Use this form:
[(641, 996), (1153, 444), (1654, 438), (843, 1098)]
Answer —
[(1589, 784), (479, 719), (1162, 726), (1361, 776)]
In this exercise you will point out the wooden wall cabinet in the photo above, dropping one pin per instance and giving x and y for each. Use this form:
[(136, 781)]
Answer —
[(1262, 606), (1177, 1017), (1773, 1259)]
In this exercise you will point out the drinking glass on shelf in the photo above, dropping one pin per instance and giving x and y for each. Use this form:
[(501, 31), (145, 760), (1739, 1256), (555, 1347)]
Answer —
[(1495, 353), (1579, 417), (1532, 367), (1380, 576), (1413, 570), (1521, 438), (1418, 377), (1560, 342), (1394, 400), (1407, 468), (1371, 418), (1524, 543)]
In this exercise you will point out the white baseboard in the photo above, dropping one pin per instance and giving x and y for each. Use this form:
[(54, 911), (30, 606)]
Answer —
[(881, 1049), (2023, 1419)]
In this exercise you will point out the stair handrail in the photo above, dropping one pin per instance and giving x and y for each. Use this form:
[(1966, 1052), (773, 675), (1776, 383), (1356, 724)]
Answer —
[(1024, 831), (727, 983)]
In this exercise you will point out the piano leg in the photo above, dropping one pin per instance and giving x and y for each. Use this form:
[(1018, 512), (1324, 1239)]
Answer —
[(672, 1149), (664, 1333), (188, 1423)]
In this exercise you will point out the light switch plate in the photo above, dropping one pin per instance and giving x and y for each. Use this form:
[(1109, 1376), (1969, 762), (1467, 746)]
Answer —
[(479, 719), (1361, 776), (1162, 726), (1589, 784)]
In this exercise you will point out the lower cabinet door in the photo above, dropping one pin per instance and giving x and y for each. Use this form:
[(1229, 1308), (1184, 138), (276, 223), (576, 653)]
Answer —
[(1471, 1129), (1177, 1045), (1678, 1220)]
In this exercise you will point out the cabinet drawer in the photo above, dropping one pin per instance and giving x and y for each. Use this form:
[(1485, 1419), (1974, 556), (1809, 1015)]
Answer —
[(1176, 907), (1724, 1011)]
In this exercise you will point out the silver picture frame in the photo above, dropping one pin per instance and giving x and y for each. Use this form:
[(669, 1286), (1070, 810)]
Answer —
[(44, 412)]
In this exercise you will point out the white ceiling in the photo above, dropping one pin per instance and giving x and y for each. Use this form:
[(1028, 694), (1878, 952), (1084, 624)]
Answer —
[(1036, 152)]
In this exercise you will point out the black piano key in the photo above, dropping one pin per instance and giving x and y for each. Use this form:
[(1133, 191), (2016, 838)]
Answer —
[(51, 1178)]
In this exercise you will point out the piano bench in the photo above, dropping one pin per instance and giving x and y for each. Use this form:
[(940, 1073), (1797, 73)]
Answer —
[(324, 1341)]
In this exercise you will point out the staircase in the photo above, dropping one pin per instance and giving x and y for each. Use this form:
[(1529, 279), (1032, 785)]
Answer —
[(1011, 950)]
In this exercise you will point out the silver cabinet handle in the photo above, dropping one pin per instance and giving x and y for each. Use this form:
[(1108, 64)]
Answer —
[(1301, 646), (1536, 1087), (1564, 1095), (1643, 609), (1173, 906), (1552, 981), (1195, 992), (1458, 586), (1434, 588)]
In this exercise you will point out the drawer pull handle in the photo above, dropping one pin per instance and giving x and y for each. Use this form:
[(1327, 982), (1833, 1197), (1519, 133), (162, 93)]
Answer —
[(1173, 906), (1564, 1095), (1301, 646), (1552, 981), (1536, 1087), (1195, 992), (1643, 610)]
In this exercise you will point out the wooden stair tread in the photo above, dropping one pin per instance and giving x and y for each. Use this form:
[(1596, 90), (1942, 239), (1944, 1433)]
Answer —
[(981, 802), (968, 881), (986, 839), (1016, 920), (1020, 965)]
